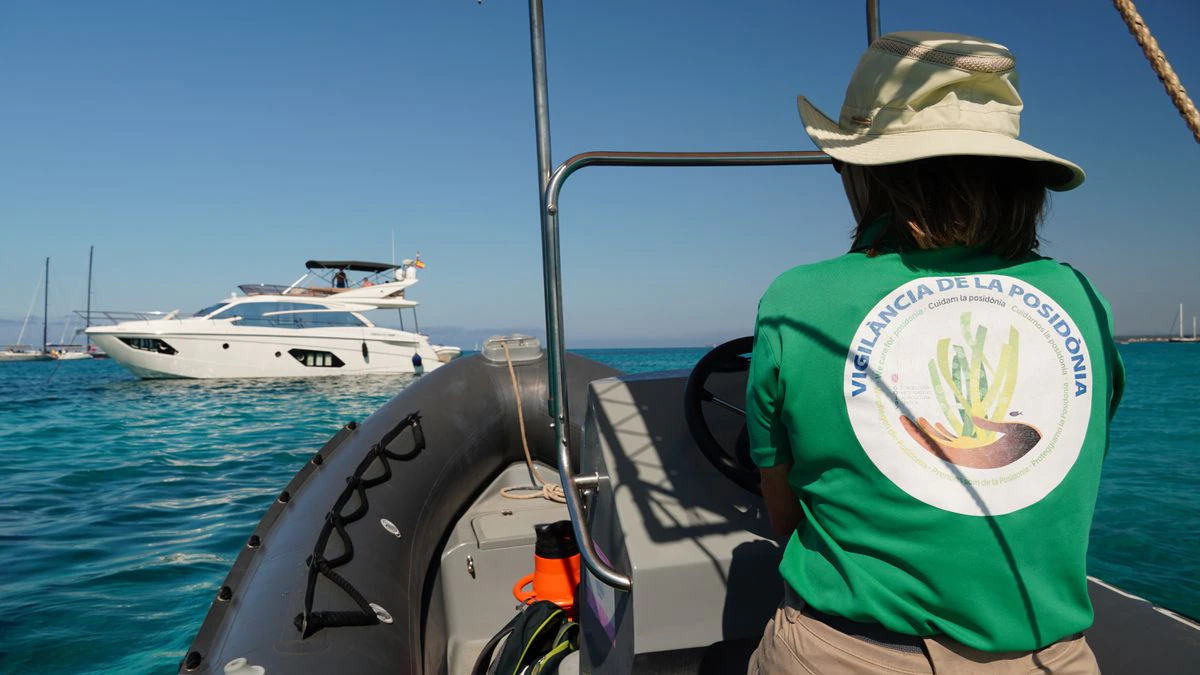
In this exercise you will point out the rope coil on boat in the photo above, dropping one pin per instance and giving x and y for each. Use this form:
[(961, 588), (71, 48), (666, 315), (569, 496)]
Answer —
[(308, 621), (542, 488)]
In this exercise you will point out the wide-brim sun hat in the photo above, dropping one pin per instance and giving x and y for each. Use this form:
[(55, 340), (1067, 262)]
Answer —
[(917, 95)]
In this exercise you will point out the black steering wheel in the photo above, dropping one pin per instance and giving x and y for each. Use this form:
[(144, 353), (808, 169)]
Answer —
[(734, 463)]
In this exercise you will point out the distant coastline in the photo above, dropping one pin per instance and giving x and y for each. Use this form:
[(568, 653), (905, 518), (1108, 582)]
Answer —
[(1155, 338)]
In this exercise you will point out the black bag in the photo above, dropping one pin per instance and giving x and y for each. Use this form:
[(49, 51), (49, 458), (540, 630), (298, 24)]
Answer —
[(535, 641)]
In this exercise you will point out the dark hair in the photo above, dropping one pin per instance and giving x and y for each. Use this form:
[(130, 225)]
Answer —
[(994, 202)]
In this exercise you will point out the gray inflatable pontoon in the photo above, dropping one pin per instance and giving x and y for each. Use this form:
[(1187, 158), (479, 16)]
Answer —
[(408, 472)]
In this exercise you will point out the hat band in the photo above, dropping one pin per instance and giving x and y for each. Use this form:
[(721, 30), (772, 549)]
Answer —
[(975, 63), (950, 115)]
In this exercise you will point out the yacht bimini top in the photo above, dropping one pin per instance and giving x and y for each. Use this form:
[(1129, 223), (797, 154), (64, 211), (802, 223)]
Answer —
[(352, 265), (382, 288)]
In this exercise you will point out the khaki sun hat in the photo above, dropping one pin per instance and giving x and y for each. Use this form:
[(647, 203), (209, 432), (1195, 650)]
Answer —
[(919, 94)]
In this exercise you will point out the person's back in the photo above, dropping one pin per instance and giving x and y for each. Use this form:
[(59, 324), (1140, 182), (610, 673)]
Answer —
[(931, 410), (938, 407)]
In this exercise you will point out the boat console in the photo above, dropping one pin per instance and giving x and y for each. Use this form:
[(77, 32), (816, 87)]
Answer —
[(697, 547)]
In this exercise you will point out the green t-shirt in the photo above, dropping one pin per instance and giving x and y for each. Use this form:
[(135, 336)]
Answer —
[(946, 414)]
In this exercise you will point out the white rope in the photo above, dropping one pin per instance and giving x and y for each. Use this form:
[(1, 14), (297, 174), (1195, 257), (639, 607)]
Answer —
[(543, 488)]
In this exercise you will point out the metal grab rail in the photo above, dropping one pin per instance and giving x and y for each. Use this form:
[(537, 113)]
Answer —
[(550, 184), (697, 159), (872, 21), (555, 346), (118, 316)]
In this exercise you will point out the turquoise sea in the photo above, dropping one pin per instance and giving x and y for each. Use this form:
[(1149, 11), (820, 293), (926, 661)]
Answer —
[(126, 501)]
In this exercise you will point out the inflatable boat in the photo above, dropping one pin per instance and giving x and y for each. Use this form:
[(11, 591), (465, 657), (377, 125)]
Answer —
[(394, 550), (402, 545)]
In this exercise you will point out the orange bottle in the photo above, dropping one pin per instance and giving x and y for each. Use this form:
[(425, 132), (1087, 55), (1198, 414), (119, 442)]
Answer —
[(555, 567)]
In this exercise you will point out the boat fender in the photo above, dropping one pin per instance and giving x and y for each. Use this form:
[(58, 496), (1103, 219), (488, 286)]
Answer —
[(534, 642), (241, 666)]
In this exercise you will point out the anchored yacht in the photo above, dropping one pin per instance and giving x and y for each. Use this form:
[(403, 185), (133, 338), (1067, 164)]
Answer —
[(314, 327)]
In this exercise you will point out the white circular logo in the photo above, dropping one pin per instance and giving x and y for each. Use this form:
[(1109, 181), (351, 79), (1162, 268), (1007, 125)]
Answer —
[(971, 393)]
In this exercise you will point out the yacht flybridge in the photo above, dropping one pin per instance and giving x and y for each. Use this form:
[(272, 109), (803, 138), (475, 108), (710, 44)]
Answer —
[(313, 327)]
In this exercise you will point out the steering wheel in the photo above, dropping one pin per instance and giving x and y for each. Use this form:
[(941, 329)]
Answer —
[(734, 463)]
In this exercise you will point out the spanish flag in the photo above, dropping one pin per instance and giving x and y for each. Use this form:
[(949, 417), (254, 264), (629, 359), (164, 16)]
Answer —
[(418, 264)]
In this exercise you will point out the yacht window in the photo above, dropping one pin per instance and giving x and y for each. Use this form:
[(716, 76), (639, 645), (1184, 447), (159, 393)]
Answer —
[(252, 314), (325, 319), (210, 309), (300, 315)]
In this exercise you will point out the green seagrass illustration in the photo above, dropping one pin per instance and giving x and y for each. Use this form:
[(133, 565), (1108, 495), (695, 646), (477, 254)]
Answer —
[(974, 396)]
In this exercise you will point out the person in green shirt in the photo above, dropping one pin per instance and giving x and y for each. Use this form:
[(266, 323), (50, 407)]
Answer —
[(930, 411)]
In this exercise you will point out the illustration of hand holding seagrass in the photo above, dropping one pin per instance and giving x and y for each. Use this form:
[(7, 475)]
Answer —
[(978, 436)]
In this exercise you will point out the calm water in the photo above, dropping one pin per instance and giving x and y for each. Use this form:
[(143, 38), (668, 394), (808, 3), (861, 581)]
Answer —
[(127, 501)]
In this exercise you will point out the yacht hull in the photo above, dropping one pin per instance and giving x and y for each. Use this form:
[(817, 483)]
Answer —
[(72, 356), (152, 353), (9, 357)]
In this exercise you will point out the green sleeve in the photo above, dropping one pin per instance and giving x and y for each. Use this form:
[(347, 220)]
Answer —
[(1116, 366), (1118, 380), (764, 400), (1112, 356)]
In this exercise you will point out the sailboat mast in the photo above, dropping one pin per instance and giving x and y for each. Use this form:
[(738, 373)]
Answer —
[(46, 309), (88, 318), (1181, 321)]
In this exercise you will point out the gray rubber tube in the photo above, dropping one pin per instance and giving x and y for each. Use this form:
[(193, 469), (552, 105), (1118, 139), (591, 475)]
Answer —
[(469, 417)]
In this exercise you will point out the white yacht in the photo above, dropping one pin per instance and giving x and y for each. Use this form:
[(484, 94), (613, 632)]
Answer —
[(314, 327)]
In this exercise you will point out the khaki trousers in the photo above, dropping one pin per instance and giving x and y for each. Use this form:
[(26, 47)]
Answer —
[(796, 643)]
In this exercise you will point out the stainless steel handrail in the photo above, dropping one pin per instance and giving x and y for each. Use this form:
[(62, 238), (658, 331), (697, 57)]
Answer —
[(872, 21), (610, 158), (555, 346), (549, 187)]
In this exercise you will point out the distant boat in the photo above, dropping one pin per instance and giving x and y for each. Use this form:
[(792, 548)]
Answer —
[(72, 351), (282, 331), (12, 353), (1181, 337), (69, 354), (92, 350), (23, 352)]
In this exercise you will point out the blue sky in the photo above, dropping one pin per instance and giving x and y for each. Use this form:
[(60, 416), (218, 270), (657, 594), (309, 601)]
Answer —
[(203, 145)]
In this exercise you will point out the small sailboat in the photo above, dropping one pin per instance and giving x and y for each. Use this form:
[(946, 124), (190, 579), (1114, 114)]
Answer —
[(1179, 322), (70, 351), (24, 352)]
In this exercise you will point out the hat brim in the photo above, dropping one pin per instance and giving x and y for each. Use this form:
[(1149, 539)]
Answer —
[(876, 149)]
